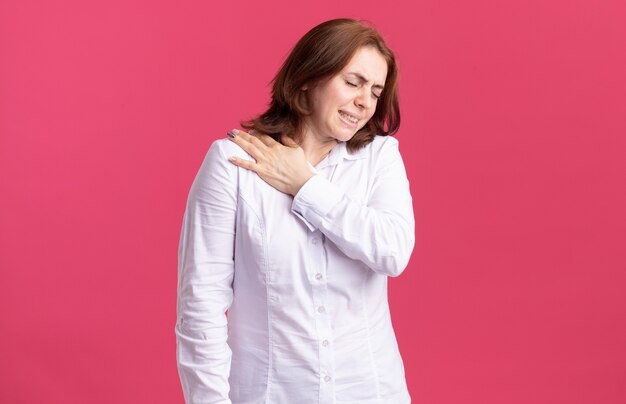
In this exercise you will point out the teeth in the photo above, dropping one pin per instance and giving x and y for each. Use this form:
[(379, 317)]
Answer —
[(349, 117)]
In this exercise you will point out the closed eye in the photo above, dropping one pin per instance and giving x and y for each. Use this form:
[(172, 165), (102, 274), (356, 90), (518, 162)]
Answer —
[(351, 84)]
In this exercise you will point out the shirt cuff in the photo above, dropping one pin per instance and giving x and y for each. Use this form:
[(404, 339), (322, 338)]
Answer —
[(314, 200)]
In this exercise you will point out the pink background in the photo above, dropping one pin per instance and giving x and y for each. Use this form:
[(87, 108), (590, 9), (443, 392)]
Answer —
[(513, 133)]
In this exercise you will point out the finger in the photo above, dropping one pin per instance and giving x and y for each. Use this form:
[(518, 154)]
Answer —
[(269, 141), (266, 139), (247, 164), (254, 139), (246, 145)]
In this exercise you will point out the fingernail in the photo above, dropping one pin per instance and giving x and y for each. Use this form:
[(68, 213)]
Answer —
[(232, 159), (230, 134)]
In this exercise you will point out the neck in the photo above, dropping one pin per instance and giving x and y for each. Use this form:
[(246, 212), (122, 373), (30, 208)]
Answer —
[(316, 148), (316, 151)]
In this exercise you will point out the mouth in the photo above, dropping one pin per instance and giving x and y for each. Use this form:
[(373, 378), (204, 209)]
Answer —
[(348, 118)]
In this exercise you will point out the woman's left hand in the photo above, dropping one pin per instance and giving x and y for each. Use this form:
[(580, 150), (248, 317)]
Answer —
[(283, 166)]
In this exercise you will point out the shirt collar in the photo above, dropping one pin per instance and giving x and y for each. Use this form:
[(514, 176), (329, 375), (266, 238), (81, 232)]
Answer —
[(339, 153)]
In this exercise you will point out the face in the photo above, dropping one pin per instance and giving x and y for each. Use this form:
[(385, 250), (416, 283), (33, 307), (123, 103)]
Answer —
[(343, 104)]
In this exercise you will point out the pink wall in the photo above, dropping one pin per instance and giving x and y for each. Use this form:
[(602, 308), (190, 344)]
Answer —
[(514, 119)]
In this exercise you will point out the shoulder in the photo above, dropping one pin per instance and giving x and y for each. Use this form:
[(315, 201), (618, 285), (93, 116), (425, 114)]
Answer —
[(219, 152), (379, 146), (385, 152), (224, 148), (215, 162), (383, 142)]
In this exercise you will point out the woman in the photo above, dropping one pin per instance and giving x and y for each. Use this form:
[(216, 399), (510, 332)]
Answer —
[(294, 230)]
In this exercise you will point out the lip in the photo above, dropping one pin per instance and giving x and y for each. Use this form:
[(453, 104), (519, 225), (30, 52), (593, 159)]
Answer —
[(354, 124)]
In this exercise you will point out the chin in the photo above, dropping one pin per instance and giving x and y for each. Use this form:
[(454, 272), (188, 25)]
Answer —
[(344, 136)]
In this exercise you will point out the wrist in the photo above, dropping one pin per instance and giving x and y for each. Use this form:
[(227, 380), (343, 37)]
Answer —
[(299, 184)]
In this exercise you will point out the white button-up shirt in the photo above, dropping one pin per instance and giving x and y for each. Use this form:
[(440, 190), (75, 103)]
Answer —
[(304, 280)]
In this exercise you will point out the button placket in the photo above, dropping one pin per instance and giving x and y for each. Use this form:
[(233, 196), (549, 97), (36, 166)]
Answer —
[(322, 320), (322, 314)]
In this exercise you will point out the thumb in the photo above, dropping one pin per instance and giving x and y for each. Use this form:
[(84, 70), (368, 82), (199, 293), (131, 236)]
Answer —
[(288, 141)]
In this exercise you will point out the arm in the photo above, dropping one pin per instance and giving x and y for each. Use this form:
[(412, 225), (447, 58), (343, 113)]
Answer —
[(205, 276), (379, 233)]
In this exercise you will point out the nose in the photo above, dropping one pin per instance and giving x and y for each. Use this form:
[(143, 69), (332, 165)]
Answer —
[(363, 99)]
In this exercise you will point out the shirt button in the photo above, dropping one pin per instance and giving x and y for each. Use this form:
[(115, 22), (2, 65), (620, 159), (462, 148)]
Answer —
[(318, 276), (321, 309), (326, 378), (325, 342), (314, 241)]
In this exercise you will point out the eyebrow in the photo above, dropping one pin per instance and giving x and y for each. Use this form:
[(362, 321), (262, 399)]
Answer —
[(360, 77)]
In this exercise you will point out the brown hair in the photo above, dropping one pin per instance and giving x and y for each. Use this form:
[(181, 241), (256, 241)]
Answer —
[(320, 54)]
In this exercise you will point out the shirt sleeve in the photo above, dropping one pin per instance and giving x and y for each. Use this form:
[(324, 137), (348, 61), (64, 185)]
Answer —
[(379, 232), (205, 276)]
